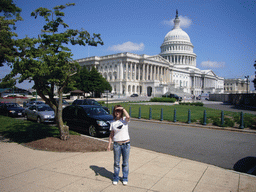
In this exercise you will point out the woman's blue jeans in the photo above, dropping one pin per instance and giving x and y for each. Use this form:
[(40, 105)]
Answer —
[(124, 150)]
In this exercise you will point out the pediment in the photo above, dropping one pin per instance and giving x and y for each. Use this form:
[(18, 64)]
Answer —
[(158, 58), (209, 72)]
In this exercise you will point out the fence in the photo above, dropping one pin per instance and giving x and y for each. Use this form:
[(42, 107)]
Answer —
[(221, 119)]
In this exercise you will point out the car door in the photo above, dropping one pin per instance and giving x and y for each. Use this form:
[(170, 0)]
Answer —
[(33, 112), (69, 115), (82, 122), (29, 111)]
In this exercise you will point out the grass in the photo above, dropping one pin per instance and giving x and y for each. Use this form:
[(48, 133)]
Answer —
[(181, 112), (22, 131)]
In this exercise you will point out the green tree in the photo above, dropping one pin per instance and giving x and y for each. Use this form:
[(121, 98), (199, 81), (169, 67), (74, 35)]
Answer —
[(46, 60), (97, 83), (7, 82), (11, 14), (90, 81)]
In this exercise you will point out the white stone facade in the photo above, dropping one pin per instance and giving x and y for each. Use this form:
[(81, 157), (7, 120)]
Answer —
[(236, 86), (173, 70)]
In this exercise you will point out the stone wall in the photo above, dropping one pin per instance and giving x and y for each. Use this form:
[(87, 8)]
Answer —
[(235, 99)]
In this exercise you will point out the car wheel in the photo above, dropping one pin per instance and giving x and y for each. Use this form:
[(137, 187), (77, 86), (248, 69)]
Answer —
[(38, 120), (92, 131)]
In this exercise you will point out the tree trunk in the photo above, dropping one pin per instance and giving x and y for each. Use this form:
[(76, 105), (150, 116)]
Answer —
[(63, 129)]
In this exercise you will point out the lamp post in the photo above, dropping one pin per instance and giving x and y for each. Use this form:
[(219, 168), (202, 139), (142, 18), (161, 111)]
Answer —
[(247, 82), (254, 81)]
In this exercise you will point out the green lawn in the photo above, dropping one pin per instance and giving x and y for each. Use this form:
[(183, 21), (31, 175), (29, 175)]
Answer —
[(181, 112), (23, 131)]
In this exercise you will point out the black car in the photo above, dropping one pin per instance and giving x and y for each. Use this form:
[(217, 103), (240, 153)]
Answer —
[(88, 102), (173, 96), (34, 102), (134, 95), (91, 119), (12, 110)]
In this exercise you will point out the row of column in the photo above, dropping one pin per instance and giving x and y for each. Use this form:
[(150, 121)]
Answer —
[(138, 71), (181, 59), (198, 82)]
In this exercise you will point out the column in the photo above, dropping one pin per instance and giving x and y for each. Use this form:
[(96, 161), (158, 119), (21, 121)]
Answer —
[(118, 71), (154, 73), (157, 72), (143, 71), (151, 72), (139, 72), (130, 71), (135, 71), (126, 72), (147, 72)]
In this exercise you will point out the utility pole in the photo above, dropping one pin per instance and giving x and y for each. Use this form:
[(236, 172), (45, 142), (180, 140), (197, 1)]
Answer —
[(254, 81), (247, 83)]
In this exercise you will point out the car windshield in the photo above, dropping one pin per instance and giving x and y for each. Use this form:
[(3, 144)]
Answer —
[(12, 105), (63, 101), (95, 111), (44, 108), (92, 102)]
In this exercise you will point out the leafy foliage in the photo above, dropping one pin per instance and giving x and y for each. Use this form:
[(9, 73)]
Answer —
[(7, 82), (47, 61), (163, 99), (11, 15), (89, 81)]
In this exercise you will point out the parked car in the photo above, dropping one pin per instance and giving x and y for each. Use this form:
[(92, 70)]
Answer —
[(40, 113), (178, 98), (64, 103), (11, 109), (34, 102), (134, 95), (92, 119), (88, 102)]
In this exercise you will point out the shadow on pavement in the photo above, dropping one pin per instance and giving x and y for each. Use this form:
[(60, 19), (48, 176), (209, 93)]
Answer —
[(102, 172), (246, 165)]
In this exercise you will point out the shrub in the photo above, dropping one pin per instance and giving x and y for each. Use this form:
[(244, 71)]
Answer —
[(195, 104), (101, 102), (163, 99), (228, 122), (201, 120)]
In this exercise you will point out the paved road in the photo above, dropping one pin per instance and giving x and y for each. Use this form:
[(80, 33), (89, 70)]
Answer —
[(216, 147), (228, 107)]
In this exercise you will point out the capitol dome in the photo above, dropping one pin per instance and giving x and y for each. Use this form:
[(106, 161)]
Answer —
[(177, 34), (177, 47)]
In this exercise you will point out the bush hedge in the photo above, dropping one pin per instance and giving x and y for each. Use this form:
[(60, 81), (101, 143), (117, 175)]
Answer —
[(163, 99), (193, 103)]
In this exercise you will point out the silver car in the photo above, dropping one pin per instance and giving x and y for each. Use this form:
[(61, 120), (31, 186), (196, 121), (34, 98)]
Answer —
[(40, 113)]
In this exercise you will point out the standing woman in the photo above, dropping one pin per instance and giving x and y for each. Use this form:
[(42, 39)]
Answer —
[(120, 135)]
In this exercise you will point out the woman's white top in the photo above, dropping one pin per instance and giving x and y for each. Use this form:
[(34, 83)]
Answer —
[(120, 128)]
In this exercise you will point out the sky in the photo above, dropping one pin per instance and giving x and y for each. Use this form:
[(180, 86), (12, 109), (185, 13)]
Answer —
[(222, 31)]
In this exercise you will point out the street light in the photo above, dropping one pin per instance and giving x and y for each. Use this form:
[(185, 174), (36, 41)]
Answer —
[(247, 82), (254, 81)]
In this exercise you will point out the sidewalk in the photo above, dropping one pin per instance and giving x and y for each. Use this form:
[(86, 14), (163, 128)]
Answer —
[(25, 169)]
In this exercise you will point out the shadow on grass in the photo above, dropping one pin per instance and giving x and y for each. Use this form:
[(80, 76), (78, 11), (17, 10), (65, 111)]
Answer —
[(23, 132)]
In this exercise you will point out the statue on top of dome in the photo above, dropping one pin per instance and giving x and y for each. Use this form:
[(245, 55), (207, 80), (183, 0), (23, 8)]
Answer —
[(176, 14)]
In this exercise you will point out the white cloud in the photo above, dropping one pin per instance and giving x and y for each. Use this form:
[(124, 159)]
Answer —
[(185, 22), (212, 64), (127, 46)]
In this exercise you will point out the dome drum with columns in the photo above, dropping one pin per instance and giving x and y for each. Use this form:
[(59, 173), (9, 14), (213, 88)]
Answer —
[(173, 70)]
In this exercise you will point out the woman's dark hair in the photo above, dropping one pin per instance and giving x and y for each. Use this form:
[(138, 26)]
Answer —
[(114, 110)]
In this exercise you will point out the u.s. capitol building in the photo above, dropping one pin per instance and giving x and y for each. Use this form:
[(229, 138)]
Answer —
[(173, 70)]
